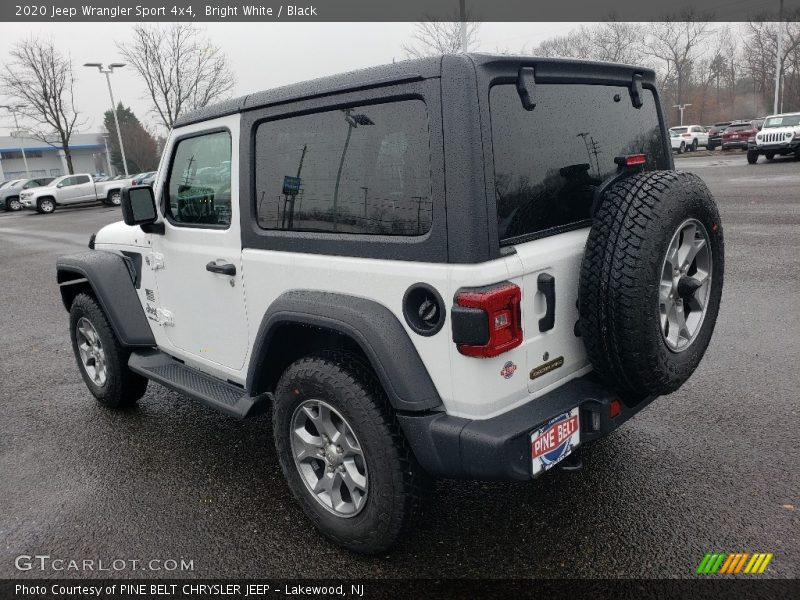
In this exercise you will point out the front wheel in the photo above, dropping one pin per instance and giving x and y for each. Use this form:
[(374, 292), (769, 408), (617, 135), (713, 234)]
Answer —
[(103, 362), (769, 155), (752, 156), (342, 452), (13, 204), (45, 206)]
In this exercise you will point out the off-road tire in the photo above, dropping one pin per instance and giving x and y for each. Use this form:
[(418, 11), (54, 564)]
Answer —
[(752, 157), (395, 480), (13, 204), (123, 387), (621, 274), (45, 206)]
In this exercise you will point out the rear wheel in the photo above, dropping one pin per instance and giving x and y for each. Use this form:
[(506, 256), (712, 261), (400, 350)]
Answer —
[(103, 362), (752, 156), (46, 205), (694, 145), (114, 198), (651, 282), (342, 453), (682, 148)]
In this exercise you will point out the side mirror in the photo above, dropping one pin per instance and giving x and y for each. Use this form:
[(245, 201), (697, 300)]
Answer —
[(139, 205)]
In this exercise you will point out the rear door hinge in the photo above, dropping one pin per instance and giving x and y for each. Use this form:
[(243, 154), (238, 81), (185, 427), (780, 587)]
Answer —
[(165, 317), (155, 260)]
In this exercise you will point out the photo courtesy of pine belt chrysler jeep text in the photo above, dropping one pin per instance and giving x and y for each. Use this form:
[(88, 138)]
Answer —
[(392, 263)]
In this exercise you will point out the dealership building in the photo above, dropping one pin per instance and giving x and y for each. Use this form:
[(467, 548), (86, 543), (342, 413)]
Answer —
[(88, 156)]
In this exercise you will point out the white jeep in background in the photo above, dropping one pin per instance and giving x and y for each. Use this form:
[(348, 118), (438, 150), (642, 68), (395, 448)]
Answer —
[(72, 189), (389, 263), (779, 136)]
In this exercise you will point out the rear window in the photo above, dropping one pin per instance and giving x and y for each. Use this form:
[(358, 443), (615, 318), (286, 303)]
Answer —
[(549, 161), (680, 129), (740, 126), (364, 170)]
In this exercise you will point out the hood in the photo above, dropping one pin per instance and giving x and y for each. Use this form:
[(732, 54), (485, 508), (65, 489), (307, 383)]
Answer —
[(120, 234)]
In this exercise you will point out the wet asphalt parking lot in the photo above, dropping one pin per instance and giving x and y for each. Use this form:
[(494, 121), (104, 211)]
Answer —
[(712, 467)]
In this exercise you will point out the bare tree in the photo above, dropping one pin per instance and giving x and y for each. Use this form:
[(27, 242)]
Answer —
[(678, 45), (181, 68), (431, 38), (611, 41), (42, 80)]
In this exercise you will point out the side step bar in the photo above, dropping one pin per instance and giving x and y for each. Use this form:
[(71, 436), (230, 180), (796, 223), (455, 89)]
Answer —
[(221, 395)]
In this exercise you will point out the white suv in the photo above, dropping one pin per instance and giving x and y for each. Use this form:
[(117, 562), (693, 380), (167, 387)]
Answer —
[(388, 262), (779, 136), (693, 136)]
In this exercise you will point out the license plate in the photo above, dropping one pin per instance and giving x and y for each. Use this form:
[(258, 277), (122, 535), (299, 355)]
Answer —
[(555, 440)]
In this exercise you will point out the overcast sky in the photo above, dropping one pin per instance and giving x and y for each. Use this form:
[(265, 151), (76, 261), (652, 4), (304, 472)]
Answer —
[(262, 55)]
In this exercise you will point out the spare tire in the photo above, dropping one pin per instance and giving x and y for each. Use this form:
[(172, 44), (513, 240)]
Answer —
[(651, 282)]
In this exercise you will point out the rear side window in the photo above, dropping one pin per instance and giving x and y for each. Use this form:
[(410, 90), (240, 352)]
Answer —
[(81, 179), (199, 186), (363, 170), (549, 161)]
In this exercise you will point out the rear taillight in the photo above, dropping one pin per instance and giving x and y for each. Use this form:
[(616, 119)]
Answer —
[(494, 313)]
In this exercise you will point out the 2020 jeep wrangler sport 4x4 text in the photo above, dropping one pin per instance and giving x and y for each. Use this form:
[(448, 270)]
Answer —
[(394, 264)]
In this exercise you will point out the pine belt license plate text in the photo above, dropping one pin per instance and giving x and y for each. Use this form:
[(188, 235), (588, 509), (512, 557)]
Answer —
[(555, 440)]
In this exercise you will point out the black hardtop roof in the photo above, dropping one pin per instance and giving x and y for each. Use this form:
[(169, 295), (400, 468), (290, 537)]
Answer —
[(552, 70)]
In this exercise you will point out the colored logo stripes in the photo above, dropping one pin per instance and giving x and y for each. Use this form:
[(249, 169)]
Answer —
[(734, 563)]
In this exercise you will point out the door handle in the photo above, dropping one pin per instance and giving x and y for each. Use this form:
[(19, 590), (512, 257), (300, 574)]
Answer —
[(221, 268), (546, 284)]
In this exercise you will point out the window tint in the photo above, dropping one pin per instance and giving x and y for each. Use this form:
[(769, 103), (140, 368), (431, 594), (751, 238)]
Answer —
[(549, 161), (81, 179), (360, 170), (199, 186)]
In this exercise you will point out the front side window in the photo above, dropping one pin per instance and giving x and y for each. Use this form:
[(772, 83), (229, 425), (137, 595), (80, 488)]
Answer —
[(68, 181), (549, 161), (359, 170), (199, 186)]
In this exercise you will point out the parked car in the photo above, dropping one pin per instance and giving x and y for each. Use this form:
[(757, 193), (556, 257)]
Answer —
[(72, 189), (715, 134), (400, 322), (779, 136), (140, 178), (736, 135), (9, 194), (677, 142), (693, 135), (149, 179)]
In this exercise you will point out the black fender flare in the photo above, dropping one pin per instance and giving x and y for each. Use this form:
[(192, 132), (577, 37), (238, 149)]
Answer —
[(111, 277), (372, 326)]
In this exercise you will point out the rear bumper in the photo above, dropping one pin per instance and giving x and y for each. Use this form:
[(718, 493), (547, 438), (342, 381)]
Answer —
[(734, 144), (500, 448)]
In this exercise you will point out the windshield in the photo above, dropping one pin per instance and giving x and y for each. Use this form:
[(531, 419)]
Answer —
[(784, 121)]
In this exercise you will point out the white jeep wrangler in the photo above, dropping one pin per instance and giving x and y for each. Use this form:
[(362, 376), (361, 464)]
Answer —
[(779, 136), (393, 264)]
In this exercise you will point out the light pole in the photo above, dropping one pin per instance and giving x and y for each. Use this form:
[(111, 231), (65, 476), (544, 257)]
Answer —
[(352, 121), (778, 60), (462, 9), (681, 107), (13, 110), (107, 72)]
